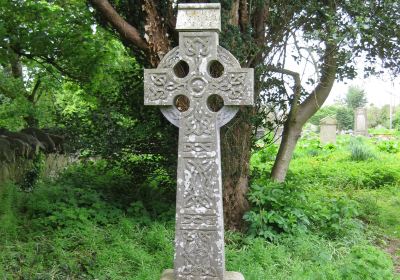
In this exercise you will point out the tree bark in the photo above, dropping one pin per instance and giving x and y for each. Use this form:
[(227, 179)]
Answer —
[(301, 113), (236, 136), (290, 136), (235, 150), (16, 66), (126, 30)]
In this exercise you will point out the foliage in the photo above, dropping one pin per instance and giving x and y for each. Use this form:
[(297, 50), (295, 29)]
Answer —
[(85, 225), (312, 146), (380, 208), (90, 223), (355, 97), (396, 120), (389, 146), (51, 42), (325, 111), (289, 208), (308, 257), (276, 208), (90, 87), (345, 118), (347, 174), (380, 117), (342, 172), (314, 197), (343, 115), (263, 157), (368, 262), (359, 151), (294, 208), (32, 175)]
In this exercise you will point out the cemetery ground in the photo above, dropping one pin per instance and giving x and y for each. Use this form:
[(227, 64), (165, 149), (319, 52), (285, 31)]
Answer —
[(336, 217)]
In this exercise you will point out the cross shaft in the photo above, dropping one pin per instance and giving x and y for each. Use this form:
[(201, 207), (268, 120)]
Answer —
[(199, 237)]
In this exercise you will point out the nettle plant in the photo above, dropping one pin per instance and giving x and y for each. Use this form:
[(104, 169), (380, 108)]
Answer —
[(288, 208)]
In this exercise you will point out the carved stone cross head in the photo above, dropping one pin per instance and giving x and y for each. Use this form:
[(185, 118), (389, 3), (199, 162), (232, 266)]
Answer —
[(198, 73), (199, 86)]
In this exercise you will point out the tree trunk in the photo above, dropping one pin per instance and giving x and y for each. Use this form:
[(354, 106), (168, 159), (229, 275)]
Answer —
[(290, 136), (301, 113), (236, 136), (235, 149), (16, 66)]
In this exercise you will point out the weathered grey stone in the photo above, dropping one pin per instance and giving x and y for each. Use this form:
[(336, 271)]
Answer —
[(168, 274), (198, 17), (327, 132), (360, 122), (199, 236)]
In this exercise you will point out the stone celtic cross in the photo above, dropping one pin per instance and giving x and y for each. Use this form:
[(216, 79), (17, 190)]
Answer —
[(185, 84)]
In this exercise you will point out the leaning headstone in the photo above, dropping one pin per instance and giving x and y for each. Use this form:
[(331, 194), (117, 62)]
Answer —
[(360, 122), (327, 131), (191, 82)]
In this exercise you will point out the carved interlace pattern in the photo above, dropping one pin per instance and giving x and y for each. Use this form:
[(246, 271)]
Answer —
[(197, 262), (199, 224), (197, 46)]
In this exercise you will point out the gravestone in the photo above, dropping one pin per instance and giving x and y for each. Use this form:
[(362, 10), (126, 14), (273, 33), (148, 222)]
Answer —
[(200, 87), (327, 131), (360, 122)]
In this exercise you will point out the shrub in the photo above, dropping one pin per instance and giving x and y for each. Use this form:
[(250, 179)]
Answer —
[(389, 146), (332, 215), (367, 262), (345, 174), (312, 147), (85, 225), (276, 208)]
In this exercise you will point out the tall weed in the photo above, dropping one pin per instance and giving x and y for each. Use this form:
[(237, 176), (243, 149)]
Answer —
[(359, 151)]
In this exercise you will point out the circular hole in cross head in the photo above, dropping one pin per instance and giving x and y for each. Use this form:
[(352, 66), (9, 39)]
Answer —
[(215, 69), (181, 69), (215, 102), (182, 103)]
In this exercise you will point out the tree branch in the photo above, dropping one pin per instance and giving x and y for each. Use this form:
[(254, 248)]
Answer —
[(310, 55), (296, 89), (31, 96), (234, 13), (126, 30), (321, 92)]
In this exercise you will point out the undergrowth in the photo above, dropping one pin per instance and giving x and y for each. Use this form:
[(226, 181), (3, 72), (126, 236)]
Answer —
[(328, 221), (344, 192)]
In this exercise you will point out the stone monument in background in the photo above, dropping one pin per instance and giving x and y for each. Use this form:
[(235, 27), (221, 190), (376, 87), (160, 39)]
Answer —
[(200, 87), (360, 122), (327, 133)]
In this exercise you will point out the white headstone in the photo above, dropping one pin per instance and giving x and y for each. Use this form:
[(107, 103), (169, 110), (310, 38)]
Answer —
[(360, 122), (328, 126)]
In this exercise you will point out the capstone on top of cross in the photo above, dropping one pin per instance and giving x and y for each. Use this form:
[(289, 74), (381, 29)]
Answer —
[(199, 17)]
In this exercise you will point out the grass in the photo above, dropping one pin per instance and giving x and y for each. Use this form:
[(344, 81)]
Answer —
[(94, 223)]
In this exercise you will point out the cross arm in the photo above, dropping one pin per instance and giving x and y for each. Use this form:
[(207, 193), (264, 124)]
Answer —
[(235, 87), (160, 88)]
